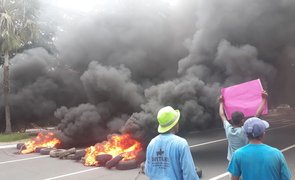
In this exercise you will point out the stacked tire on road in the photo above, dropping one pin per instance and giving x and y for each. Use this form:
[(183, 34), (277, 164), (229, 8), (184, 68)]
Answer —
[(45, 151), (105, 160), (113, 162), (71, 153), (21, 146), (119, 163), (133, 163), (55, 153)]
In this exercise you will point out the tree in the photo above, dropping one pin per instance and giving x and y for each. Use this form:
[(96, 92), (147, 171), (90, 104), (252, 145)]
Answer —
[(18, 27)]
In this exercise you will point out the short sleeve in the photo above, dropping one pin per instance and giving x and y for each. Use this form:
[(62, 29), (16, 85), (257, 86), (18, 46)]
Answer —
[(285, 172), (226, 126), (234, 166)]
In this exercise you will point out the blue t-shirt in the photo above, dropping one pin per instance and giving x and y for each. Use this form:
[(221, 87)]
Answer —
[(259, 161), (168, 157), (236, 137)]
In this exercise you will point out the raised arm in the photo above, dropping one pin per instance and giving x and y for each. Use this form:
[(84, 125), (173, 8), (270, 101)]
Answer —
[(262, 103), (221, 109)]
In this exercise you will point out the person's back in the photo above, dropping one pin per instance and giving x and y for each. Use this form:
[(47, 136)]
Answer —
[(235, 133), (236, 138), (169, 154), (260, 161), (257, 160)]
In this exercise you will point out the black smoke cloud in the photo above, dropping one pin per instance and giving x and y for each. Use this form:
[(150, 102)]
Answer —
[(118, 65)]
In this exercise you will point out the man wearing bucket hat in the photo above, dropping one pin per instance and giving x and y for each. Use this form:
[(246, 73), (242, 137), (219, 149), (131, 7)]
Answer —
[(257, 160), (168, 156)]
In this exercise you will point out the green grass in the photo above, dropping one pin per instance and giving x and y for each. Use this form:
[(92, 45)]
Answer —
[(14, 137)]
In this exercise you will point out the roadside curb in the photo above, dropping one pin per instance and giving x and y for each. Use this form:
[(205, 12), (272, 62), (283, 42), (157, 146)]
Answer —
[(4, 145), (7, 146)]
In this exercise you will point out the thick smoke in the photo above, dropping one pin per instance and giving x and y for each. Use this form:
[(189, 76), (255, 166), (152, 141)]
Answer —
[(117, 65)]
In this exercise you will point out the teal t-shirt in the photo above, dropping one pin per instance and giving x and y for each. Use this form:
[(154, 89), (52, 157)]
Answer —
[(236, 137), (259, 161), (168, 157)]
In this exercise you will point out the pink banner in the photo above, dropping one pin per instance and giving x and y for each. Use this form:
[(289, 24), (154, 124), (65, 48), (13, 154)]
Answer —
[(244, 97)]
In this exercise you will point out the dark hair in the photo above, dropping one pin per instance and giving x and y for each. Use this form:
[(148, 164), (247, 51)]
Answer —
[(237, 117)]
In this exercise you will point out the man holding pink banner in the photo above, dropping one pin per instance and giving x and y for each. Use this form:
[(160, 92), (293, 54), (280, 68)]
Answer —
[(245, 97), (237, 102)]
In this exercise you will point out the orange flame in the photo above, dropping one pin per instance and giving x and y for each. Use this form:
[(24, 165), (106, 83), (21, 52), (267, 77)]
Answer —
[(43, 139), (116, 145)]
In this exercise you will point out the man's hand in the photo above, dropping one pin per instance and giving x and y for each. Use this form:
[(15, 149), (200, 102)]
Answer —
[(220, 99), (262, 104), (264, 94), (221, 109)]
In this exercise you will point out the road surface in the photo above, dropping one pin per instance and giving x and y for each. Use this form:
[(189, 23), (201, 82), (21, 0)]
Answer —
[(208, 148)]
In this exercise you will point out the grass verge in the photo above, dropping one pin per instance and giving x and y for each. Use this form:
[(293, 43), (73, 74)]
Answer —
[(15, 137)]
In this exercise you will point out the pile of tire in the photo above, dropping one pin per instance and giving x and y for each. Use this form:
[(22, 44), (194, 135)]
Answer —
[(72, 153), (118, 162), (41, 150), (105, 160)]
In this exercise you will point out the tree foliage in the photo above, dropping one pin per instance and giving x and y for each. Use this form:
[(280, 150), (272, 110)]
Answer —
[(18, 25), (19, 28)]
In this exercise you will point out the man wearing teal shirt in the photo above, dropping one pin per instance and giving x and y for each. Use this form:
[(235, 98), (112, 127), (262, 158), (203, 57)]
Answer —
[(257, 160), (168, 156)]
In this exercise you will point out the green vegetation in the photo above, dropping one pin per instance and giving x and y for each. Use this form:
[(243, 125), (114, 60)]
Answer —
[(19, 29), (9, 137)]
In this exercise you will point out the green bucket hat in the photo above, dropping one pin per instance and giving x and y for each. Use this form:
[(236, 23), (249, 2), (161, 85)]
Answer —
[(167, 118)]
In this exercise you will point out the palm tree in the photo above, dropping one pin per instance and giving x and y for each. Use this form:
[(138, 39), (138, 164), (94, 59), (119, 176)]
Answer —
[(18, 28)]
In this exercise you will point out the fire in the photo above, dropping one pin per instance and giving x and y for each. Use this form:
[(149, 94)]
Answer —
[(123, 145), (43, 139)]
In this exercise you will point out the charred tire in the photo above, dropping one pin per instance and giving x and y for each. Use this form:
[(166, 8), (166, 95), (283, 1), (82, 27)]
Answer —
[(82, 160), (140, 157), (126, 165), (45, 151), (80, 153), (38, 149), (71, 156), (113, 162), (63, 155), (56, 152), (103, 158), (77, 156), (21, 146)]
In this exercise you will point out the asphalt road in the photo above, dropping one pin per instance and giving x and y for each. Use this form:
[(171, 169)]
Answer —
[(208, 149)]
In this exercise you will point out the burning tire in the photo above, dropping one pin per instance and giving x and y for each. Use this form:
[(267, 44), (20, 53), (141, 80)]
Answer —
[(126, 165), (45, 151), (82, 160), (103, 159), (56, 152), (131, 164), (21, 146), (38, 149), (80, 153), (140, 157), (113, 162)]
